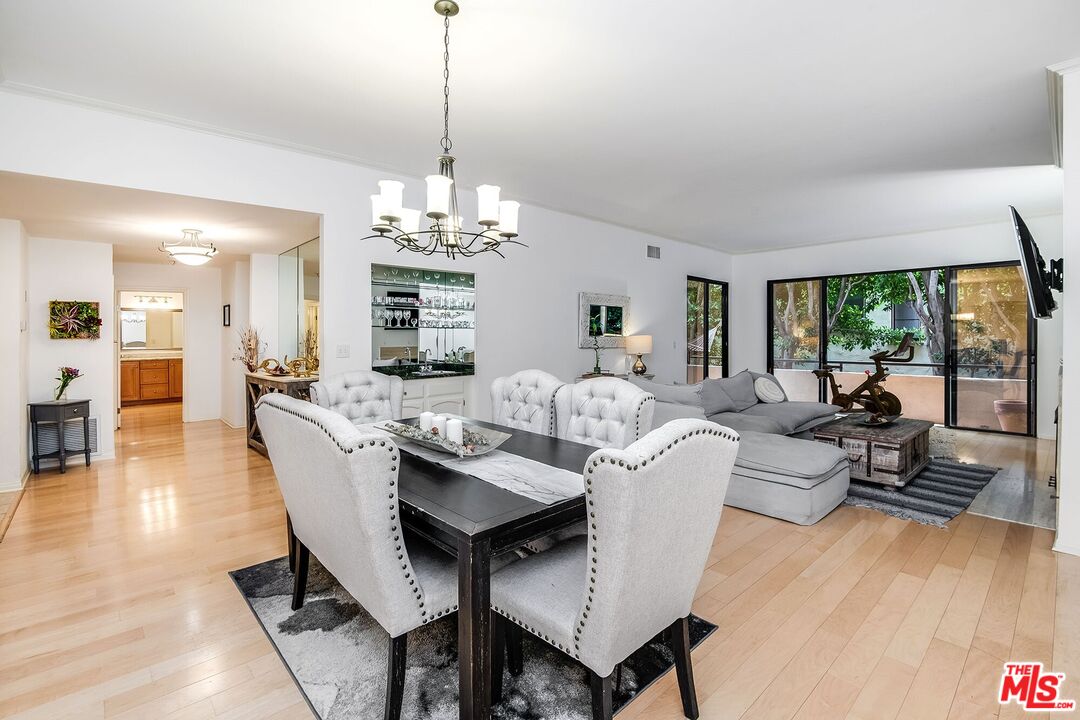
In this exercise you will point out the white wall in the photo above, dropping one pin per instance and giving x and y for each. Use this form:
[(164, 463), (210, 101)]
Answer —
[(202, 327), (1068, 536), (14, 345), (73, 270), (263, 303), (235, 293), (973, 244), (568, 254)]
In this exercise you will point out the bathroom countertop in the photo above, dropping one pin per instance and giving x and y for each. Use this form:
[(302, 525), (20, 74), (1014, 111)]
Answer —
[(153, 355)]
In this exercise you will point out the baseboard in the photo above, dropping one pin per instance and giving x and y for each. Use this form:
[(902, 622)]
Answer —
[(234, 427), (10, 487), (1066, 549)]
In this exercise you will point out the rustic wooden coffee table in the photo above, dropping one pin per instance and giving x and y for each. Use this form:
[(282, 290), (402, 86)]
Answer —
[(890, 455)]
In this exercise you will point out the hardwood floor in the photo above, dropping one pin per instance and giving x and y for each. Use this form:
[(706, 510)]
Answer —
[(115, 602)]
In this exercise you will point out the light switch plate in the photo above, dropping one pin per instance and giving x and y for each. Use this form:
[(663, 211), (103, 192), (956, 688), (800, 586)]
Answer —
[(343, 351)]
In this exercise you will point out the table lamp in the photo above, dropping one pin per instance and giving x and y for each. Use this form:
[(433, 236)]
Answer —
[(639, 345)]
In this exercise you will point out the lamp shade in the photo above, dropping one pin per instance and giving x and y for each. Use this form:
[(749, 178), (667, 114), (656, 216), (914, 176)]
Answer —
[(638, 344)]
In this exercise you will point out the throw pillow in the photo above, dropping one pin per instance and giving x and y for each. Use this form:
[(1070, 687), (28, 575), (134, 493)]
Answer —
[(714, 399), (676, 394), (740, 388), (768, 391), (757, 375)]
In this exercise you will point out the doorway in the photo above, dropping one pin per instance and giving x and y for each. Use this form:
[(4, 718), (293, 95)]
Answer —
[(150, 349)]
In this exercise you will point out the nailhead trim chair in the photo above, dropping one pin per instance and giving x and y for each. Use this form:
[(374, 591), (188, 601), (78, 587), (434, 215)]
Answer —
[(605, 412), (340, 490), (653, 510), (361, 396), (525, 400)]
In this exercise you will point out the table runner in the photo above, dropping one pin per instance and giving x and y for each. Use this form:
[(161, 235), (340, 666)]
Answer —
[(535, 480)]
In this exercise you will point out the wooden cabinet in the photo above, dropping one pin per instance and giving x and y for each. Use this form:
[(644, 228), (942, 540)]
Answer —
[(176, 378), (129, 380), (146, 381)]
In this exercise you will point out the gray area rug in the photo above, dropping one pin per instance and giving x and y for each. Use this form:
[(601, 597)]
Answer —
[(336, 653), (938, 494)]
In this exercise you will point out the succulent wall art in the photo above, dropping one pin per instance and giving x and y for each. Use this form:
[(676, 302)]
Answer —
[(74, 320)]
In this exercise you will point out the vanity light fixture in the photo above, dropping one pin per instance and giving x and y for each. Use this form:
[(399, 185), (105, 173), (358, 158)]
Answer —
[(498, 218)]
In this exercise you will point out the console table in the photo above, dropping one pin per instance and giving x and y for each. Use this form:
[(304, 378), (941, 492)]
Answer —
[(59, 412), (258, 384)]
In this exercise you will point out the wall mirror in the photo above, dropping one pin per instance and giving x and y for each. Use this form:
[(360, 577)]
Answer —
[(602, 320), (298, 300)]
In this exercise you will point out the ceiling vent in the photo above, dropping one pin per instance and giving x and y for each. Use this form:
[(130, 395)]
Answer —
[(652, 251)]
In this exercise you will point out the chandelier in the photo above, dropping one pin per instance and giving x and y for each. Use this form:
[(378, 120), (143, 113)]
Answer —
[(445, 234), (190, 250)]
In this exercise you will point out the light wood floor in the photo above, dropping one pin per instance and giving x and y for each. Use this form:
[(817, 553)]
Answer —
[(114, 600)]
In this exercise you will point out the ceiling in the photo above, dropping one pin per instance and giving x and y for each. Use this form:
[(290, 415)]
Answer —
[(137, 221), (741, 125)]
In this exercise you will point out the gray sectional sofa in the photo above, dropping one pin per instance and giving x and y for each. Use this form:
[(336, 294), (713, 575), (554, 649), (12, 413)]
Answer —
[(797, 480)]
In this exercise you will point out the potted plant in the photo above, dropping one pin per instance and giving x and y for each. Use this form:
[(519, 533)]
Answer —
[(67, 374)]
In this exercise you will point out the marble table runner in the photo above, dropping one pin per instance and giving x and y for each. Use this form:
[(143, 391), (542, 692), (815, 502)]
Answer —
[(534, 480)]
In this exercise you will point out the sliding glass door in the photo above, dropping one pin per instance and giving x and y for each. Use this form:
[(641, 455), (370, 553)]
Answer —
[(796, 336), (706, 329), (993, 361), (974, 340)]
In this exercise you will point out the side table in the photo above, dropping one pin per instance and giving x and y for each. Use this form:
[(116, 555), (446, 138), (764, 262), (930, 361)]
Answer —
[(59, 412)]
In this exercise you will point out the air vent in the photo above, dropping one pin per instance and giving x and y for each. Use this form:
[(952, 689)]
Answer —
[(652, 251), (48, 440)]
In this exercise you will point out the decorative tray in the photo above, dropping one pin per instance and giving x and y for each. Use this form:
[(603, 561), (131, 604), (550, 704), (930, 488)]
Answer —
[(478, 440)]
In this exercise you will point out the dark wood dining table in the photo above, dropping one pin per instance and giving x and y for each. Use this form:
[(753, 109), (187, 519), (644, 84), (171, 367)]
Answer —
[(476, 520)]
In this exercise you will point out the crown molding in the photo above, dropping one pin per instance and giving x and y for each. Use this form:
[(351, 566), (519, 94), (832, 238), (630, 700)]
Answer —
[(187, 124), (1055, 76)]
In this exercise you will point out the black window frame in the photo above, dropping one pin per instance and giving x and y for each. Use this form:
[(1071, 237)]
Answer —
[(725, 313)]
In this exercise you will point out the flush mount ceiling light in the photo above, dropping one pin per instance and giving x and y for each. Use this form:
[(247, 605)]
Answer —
[(498, 220), (190, 250)]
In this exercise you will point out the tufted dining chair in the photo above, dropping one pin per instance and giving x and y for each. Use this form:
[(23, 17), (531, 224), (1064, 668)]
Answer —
[(525, 400), (361, 396), (340, 487), (653, 511), (605, 412)]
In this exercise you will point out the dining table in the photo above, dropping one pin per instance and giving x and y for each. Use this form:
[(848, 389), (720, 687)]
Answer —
[(476, 520)]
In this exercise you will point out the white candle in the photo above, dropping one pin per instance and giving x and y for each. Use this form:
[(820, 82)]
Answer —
[(425, 421), (439, 423), (454, 432)]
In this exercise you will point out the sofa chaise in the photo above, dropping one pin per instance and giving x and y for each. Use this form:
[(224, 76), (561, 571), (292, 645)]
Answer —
[(797, 480)]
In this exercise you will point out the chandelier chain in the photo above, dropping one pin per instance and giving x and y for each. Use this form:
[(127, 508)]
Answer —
[(446, 142)]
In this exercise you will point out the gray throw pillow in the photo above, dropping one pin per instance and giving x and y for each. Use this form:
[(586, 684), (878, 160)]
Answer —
[(677, 394), (740, 388), (714, 399)]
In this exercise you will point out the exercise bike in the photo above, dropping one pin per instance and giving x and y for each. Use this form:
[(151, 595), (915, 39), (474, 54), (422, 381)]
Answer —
[(873, 398)]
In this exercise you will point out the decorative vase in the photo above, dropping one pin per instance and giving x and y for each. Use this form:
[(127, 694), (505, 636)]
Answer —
[(61, 393)]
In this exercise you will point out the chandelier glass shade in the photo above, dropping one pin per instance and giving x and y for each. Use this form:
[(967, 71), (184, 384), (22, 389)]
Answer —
[(190, 250), (440, 229)]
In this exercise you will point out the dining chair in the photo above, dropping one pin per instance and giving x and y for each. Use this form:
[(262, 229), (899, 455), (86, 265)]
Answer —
[(361, 396), (653, 511), (525, 400), (340, 486), (605, 412)]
